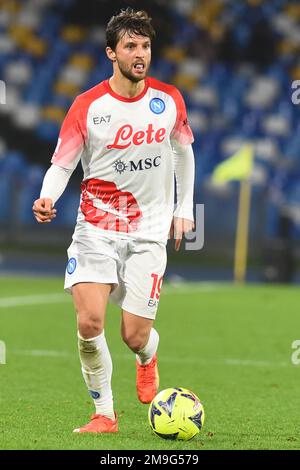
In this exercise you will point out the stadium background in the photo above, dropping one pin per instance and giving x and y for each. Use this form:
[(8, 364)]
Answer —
[(235, 62)]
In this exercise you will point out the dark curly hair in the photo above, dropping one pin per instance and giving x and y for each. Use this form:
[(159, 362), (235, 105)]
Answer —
[(131, 22)]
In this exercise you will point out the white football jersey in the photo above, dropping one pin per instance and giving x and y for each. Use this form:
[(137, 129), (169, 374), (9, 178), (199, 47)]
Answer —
[(125, 147)]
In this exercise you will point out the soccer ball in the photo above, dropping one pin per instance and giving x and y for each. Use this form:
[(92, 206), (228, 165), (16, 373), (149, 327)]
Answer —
[(176, 413)]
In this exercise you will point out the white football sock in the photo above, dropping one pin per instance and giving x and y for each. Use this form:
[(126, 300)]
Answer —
[(97, 370), (145, 355)]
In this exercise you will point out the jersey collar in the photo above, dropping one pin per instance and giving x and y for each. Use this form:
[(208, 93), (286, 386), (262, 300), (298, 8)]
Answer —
[(122, 98)]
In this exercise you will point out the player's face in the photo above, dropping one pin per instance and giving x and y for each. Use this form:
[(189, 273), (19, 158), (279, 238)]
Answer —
[(133, 56)]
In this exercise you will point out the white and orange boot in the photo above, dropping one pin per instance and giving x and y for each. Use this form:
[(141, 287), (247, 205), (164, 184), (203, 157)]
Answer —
[(147, 380), (100, 424)]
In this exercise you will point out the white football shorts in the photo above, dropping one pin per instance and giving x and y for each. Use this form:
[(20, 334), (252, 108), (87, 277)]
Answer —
[(135, 268)]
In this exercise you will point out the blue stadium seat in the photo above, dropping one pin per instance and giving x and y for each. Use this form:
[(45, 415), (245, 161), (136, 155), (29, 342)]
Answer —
[(13, 168), (224, 108), (67, 208), (28, 192), (48, 130)]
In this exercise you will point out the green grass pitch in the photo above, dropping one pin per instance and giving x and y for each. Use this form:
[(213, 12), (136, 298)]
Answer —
[(230, 345)]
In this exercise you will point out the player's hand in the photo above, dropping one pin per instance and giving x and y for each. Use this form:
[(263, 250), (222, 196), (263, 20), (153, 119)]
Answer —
[(180, 227), (43, 210)]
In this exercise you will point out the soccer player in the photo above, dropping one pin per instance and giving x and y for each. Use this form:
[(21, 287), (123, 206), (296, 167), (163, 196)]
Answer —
[(131, 134)]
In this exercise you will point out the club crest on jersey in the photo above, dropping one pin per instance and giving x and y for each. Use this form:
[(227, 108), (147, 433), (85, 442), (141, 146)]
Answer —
[(95, 395), (71, 266), (157, 105)]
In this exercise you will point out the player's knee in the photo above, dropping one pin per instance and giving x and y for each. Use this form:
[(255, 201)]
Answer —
[(89, 326), (134, 340)]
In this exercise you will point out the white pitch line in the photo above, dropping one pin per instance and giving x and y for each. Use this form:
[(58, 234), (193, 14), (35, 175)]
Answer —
[(225, 361), (172, 360), (56, 298), (41, 353), (183, 288), (34, 299)]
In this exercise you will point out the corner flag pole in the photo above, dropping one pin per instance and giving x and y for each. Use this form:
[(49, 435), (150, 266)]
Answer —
[(239, 168), (241, 242)]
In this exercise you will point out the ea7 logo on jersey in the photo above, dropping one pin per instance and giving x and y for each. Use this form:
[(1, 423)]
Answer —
[(125, 137), (101, 119)]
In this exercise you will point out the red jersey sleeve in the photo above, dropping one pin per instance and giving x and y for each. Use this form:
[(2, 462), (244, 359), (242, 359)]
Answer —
[(181, 130), (72, 136)]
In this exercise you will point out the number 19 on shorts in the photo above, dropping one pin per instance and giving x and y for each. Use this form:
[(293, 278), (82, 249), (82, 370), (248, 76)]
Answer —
[(155, 290)]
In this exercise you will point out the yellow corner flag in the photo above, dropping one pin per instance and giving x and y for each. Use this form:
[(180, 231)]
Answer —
[(238, 167)]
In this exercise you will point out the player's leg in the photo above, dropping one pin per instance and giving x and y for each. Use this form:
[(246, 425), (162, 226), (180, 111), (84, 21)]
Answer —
[(139, 291), (90, 300), (140, 336), (90, 273)]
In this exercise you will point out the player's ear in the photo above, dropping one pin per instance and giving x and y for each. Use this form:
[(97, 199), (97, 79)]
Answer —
[(110, 54)]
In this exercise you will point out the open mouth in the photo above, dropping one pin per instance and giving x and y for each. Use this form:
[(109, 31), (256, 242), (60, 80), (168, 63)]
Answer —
[(140, 67)]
